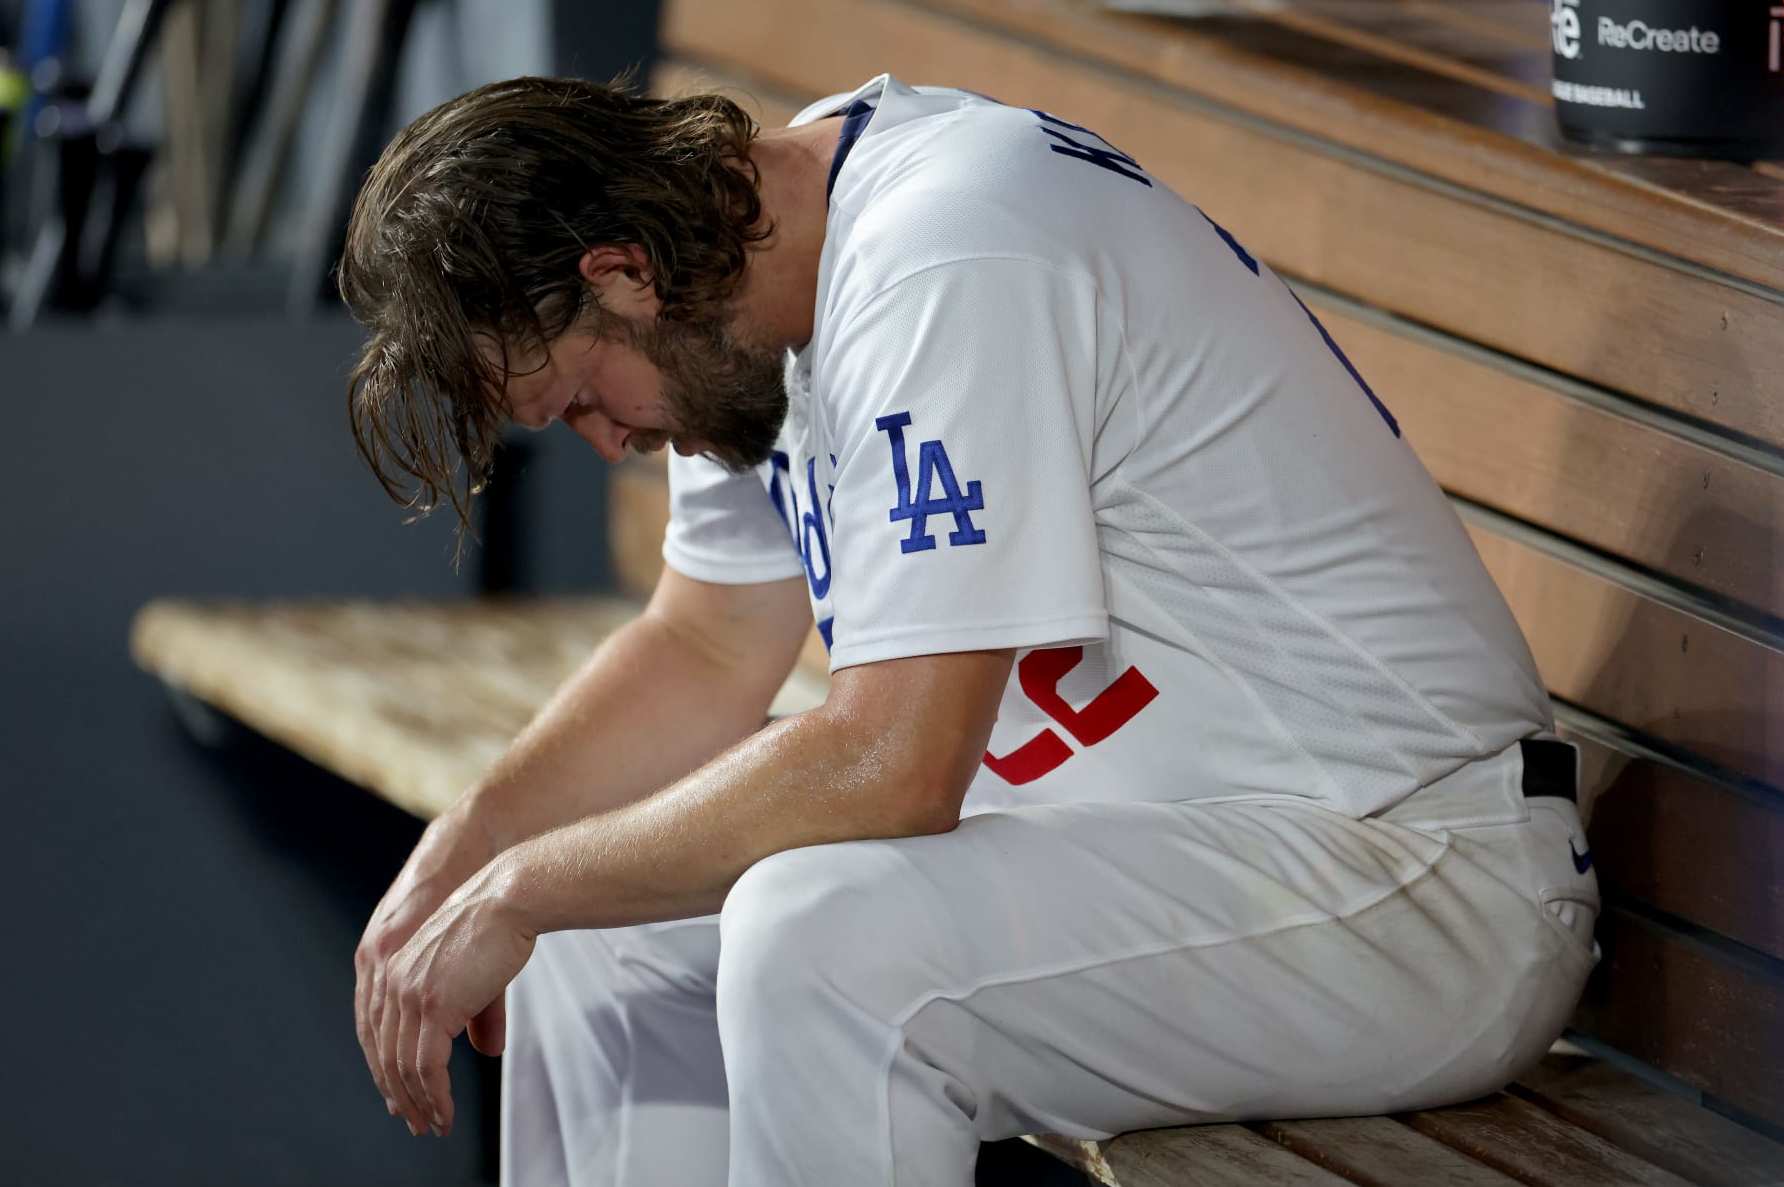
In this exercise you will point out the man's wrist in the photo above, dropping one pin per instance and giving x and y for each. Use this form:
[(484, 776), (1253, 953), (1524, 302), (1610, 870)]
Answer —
[(469, 831), (513, 881)]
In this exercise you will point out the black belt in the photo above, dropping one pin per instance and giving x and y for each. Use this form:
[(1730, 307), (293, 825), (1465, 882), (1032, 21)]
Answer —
[(1549, 768)]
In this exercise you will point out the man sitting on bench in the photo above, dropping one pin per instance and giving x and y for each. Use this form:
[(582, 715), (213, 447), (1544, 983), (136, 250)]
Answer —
[(1181, 761)]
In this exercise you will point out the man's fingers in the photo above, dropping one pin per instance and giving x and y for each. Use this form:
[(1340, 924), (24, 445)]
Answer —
[(375, 996), (362, 1020), (389, 1021), (433, 1047), (408, 1036)]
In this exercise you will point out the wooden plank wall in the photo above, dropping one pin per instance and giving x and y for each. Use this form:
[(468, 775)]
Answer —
[(1587, 353)]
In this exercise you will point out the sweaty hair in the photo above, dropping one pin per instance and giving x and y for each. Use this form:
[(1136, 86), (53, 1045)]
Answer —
[(469, 230)]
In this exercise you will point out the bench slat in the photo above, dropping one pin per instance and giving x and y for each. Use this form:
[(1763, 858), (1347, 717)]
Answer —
[(1664, 1129), (1641, 663), (1698, 850), (1706, 1013), (1381, 1152), (411, 701), (1209, 1156), (1537, 1148), (1085, 1155)]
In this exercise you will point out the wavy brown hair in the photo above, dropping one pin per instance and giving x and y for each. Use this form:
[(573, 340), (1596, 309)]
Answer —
[(469, 230)]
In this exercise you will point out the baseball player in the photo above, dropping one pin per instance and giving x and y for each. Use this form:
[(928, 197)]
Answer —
[(1181, 761)]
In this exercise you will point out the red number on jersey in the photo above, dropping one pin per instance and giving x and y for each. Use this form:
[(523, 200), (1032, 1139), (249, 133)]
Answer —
[(1040, 673)]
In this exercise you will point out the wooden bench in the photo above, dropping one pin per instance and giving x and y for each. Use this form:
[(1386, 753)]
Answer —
[(1587, 353), (412, 701)]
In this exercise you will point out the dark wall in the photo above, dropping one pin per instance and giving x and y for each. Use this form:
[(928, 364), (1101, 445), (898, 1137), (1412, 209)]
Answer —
[(180, 922)]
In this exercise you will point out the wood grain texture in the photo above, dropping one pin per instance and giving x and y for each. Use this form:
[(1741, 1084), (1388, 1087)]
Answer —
[(1387, 32), (1209, 1156), (1085, 1155), (1510, 150), (1693, 848), (1698, 1011), (1644, 664), (1535, 1147), (1532, 290), (1381, 1152), (412, 701), (1509, 441), (1659, 1127), (1505, 24)]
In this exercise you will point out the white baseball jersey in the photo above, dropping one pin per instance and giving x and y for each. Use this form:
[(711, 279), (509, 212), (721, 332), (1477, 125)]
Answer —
[(1050, 405)]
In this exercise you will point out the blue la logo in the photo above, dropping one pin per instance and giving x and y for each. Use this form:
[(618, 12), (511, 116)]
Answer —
[(933, 469)]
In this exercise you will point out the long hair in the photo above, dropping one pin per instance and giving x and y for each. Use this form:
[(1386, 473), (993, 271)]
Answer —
[(464, 244)]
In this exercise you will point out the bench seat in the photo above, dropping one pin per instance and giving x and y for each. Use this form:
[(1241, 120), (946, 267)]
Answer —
[(412, 701)]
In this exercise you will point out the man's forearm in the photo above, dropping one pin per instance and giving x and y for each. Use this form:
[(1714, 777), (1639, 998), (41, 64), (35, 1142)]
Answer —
[(676, 854), (893, 760), (648, 707)]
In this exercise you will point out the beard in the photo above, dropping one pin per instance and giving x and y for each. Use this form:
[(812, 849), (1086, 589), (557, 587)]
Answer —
[(726, 393)]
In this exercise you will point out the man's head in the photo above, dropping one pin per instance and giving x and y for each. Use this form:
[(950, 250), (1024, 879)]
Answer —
[(544, 249)]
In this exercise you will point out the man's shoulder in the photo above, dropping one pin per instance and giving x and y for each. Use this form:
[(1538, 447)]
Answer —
[(947, 220)]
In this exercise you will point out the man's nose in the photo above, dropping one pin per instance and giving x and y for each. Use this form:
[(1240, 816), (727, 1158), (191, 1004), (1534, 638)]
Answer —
[(608, 439)]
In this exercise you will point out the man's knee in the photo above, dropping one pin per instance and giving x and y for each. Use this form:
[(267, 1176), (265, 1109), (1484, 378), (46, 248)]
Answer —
[(844, 920)]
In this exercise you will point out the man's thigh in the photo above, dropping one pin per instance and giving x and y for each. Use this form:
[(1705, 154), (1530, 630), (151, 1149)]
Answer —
[(1092, 968)]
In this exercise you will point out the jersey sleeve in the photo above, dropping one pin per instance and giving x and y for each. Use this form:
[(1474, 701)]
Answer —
[(962, 515), (723, 527)]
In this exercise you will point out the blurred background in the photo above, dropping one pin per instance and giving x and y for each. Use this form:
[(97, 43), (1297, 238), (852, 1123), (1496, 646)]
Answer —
[(179, 921)]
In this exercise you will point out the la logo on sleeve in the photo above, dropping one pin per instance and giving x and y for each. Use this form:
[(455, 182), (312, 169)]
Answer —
[(933, 469)]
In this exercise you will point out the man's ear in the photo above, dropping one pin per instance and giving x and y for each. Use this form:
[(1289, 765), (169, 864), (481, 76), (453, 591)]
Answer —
[(616, 263)]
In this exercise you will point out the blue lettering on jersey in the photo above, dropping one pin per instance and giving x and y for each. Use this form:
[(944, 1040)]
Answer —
[(1105, 157), (1250, 261), (782, 492), (783, 466), (933, 467), (812, 524)]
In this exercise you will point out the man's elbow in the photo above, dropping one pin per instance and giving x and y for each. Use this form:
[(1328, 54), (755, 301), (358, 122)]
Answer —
[(932, 815), (927, 800)]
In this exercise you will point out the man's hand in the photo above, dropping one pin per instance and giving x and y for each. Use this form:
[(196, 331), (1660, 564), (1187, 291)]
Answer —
[(451, 850), (451, 972)]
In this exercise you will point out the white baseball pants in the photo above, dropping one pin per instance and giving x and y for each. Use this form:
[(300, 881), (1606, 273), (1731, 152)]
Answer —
[(868, 1012)]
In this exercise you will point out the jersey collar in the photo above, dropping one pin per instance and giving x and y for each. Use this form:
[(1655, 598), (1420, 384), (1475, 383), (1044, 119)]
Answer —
[(855, 118)]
